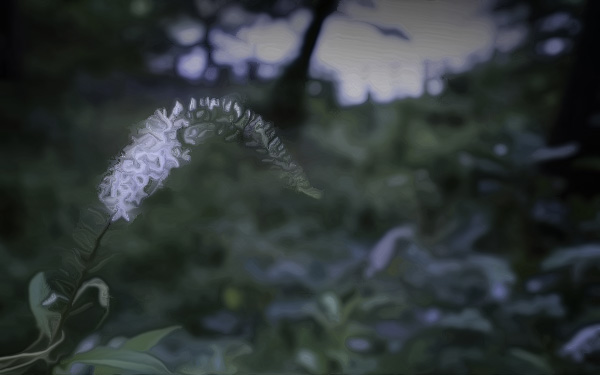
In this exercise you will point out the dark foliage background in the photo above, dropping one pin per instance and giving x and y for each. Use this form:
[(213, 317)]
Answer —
[(458, 233)]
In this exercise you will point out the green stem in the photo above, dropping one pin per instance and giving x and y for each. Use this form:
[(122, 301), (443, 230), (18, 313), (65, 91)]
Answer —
[(80, 280)]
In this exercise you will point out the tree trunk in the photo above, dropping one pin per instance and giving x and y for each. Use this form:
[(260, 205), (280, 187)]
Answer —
[(579, 118), (286, 104)]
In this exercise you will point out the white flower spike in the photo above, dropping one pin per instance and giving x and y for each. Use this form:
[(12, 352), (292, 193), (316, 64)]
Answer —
[(144, 164)]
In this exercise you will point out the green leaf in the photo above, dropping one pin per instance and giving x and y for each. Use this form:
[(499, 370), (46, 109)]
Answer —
[(126, 361), (40, 299), (579, 258), (147, 340), (533, 359), (331, 306), (584, 254), (313, 362), (217, 359), (468, 318), (103, 294)]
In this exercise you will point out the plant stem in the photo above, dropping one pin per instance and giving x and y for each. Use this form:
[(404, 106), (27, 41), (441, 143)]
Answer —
[(64, 316), (80, 280)]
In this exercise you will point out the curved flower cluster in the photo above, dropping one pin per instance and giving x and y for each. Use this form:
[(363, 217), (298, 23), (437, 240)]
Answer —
[(144, 164)]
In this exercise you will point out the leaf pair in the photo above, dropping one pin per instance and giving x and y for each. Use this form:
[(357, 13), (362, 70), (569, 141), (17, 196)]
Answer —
[(43, 301)]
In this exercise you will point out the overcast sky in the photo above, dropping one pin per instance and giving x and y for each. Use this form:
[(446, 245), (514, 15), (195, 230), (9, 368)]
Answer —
[(442, 34)]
